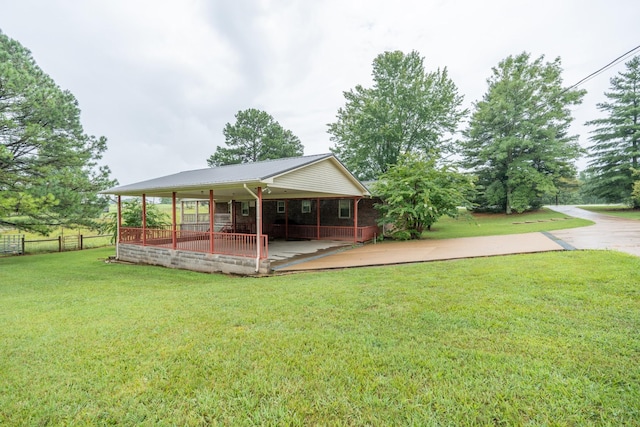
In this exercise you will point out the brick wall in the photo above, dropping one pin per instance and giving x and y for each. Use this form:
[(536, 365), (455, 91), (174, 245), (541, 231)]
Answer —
[(367, 214)]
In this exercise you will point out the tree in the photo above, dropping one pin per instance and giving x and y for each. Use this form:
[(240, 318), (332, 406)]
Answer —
[(635, 191), (406, 111), (517, 142), (616, 138), (254, 137), (48, 166), (132, 217), (415, 193)]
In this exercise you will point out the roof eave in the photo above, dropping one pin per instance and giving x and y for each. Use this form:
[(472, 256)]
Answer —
[(123, 191)]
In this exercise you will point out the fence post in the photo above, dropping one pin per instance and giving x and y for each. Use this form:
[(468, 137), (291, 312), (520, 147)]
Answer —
[(80, 241), (22, 253), (59, 243)]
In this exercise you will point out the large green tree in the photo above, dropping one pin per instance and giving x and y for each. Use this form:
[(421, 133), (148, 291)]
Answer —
[(49, 173), (615, 148), (518, 141), (416, 192), (255, 136), (407, 110)]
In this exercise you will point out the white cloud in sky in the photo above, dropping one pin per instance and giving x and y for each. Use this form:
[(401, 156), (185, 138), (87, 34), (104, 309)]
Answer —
[(160, 79)]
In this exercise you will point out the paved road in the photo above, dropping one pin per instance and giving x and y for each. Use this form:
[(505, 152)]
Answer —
[(609, 232)]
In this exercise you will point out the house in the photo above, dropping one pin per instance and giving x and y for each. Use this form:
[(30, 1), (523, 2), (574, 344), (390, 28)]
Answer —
[(247, 205)]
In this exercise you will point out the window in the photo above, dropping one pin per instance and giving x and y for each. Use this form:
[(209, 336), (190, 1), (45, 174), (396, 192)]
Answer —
[(281, 206), (244, 208), (344, 208), (306, 206)]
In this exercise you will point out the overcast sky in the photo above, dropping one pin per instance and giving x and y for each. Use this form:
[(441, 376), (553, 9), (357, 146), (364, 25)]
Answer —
[(161, 78)]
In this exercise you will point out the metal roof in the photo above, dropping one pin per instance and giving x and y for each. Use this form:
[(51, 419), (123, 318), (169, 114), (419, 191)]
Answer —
[(226, 179)]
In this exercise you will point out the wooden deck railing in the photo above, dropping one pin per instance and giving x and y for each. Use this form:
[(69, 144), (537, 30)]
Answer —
[(326, 232), (234, 244), (239, 244)]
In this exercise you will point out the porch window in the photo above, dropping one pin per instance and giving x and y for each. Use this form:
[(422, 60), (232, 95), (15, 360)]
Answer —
[(306, 206), (281, 208), (244, 208), (344, 208)]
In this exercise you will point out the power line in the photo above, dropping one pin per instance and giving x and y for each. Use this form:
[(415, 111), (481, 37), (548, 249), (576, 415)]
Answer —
[(584, 80), (601, 70)]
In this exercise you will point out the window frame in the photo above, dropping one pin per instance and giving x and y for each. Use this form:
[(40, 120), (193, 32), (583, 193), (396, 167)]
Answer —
[(306, 206), (281, 206), (341, 203)]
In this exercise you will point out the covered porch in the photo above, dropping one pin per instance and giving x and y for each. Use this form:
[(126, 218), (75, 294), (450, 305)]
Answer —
[(311, 198)]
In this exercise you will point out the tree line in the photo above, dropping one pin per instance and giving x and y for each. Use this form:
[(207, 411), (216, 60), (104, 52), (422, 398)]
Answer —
[(408, 132)]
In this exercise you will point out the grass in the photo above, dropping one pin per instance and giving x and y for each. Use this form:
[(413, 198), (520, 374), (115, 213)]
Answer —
[(545, 339), (479, 224), (621, 211)]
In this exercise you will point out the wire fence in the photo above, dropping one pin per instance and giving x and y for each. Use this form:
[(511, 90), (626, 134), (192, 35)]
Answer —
[(17, 244)]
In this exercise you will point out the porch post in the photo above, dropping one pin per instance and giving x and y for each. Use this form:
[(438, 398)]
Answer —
[(318, 219), (258, 198), (233, 216), (182, 211), (355, 219), (286, 219), (118, 231), (144, 219), (174, 237), (212, 213), (259, 223), (119, 218)]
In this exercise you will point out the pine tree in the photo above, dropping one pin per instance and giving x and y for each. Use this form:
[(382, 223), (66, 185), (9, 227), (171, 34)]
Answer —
[(615, 150), (254, 137), (49, 171)]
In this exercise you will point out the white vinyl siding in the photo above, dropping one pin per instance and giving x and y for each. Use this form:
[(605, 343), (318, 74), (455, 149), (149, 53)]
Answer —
[(322, 177)]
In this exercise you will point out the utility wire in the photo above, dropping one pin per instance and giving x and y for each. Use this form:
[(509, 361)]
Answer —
[(587, 78), (601, 70)]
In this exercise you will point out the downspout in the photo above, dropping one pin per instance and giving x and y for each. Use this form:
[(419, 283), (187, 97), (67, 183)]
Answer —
[(258, 224)]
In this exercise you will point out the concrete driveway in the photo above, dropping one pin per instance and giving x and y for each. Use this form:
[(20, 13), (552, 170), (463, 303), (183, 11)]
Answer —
[(608, 232), (425, 250)]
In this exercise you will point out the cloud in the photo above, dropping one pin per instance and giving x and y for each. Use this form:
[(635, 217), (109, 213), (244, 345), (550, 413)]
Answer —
[(161, 78)]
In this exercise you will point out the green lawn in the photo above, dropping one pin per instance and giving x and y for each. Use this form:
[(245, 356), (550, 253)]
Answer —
[(478, 224), (615, 210), (545, 339)]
